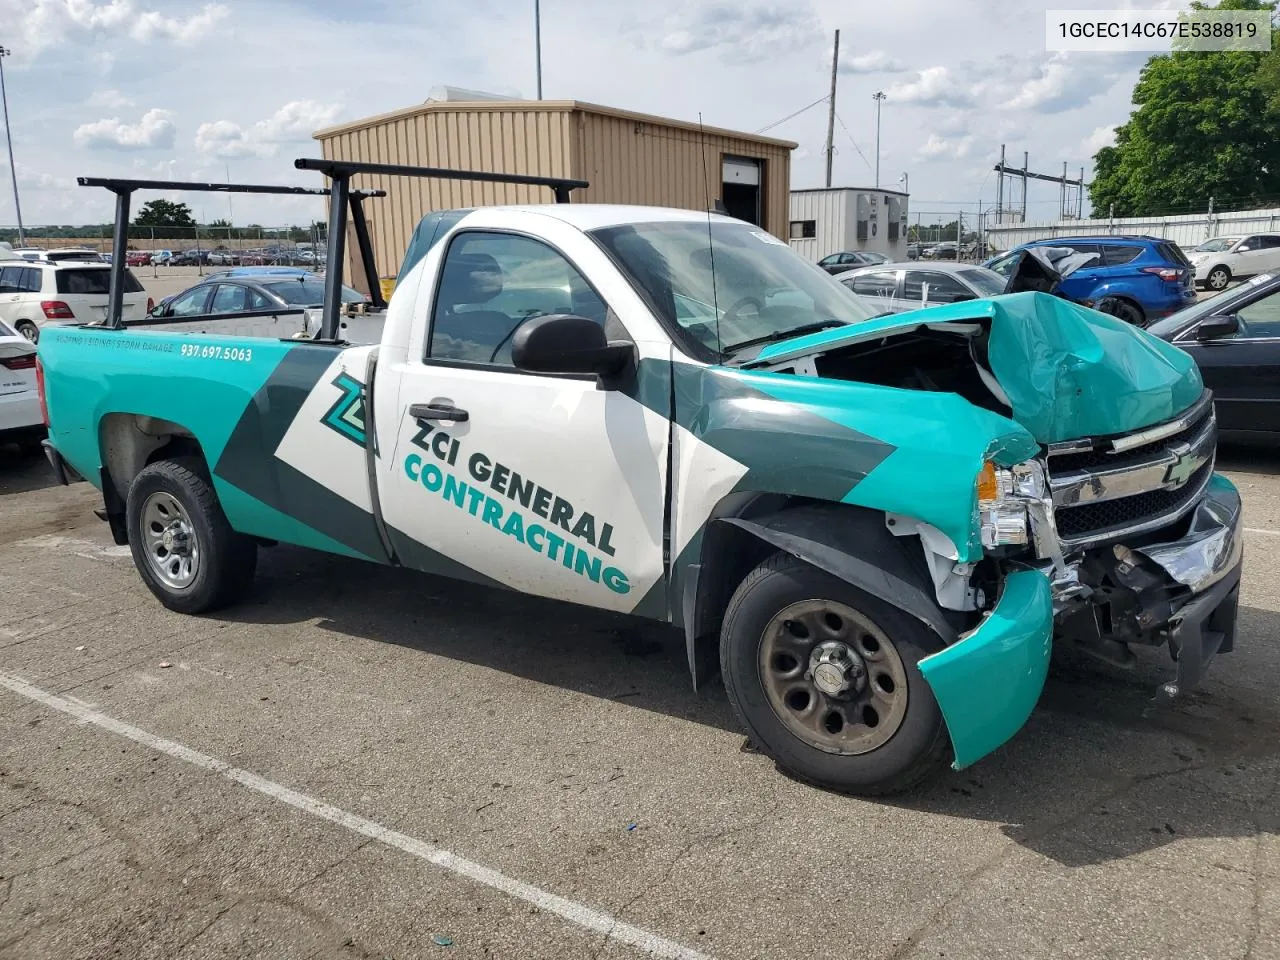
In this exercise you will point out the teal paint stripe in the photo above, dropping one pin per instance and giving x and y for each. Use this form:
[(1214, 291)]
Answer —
[(259, 519)]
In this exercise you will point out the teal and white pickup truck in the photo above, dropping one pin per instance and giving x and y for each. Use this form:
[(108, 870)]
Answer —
[(872, 528)]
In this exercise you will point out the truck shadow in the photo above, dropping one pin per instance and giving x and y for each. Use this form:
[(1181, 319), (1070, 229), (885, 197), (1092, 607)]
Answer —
[(23, 472), (1099, 773)]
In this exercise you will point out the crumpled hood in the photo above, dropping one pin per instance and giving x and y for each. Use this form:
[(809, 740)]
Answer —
[(1068, 371)]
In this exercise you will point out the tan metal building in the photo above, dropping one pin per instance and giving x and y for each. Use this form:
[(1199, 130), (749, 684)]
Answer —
[(627, 158)]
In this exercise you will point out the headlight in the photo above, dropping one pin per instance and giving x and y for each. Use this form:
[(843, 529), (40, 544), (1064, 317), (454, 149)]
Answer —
[(1004, 494)]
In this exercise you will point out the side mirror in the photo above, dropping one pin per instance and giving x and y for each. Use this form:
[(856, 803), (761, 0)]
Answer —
[(159, 310), (563, 343), (1215, 328)]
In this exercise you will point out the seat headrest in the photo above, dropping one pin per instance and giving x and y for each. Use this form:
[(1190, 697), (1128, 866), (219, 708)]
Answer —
[(470, 278)]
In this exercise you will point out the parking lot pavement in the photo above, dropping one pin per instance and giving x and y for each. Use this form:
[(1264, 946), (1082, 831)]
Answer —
[(298, 777)]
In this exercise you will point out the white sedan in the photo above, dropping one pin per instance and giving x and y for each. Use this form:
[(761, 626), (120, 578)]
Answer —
[(1220, 260), (21, 417)]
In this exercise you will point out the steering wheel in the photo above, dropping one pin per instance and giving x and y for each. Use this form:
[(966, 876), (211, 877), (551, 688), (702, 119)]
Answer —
[(732, 313)]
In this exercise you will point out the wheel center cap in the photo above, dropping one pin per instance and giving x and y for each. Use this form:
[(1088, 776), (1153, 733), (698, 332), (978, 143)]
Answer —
[(835, 669)]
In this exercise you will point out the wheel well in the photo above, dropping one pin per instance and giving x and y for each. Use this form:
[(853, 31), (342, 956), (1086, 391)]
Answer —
[(848, 541), (129, 442)]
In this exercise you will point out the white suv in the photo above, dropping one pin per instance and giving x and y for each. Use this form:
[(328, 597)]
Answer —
[(1222, 259), (33, 293)]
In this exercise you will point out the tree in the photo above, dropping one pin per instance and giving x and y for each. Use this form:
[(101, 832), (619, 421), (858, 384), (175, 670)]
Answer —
[(164, 213), (219, 225), (1205, 124)]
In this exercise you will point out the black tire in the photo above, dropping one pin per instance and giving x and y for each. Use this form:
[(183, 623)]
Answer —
[(227, 560), (28, 329), (1122, 309), (1217, 279), (919, 746)]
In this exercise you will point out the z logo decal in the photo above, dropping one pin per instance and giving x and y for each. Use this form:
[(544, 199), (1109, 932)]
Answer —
[(346, 416)]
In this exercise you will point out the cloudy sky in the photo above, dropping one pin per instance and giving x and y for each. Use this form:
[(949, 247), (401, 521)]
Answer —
[(193, 90)]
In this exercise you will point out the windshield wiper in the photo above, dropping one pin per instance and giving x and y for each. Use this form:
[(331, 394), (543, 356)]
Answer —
[(800, 331)]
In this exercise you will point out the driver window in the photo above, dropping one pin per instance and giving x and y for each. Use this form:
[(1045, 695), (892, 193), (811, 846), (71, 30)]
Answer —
[(1260, 318), (490, 283), (1247, 244), (189, 304)]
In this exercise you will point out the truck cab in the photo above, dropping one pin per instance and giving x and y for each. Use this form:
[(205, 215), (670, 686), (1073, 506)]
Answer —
[(873, 529)]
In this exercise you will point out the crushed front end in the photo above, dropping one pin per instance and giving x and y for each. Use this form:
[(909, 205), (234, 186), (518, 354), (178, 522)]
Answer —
[(1140, 539)]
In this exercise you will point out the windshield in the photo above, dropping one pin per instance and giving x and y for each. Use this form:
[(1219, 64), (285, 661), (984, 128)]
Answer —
[(758, 286), (1217, 244), (308, 292), (986, 282)]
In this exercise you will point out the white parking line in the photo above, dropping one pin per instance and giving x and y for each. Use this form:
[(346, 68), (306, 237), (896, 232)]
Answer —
[(1265, 533), (570, 910)]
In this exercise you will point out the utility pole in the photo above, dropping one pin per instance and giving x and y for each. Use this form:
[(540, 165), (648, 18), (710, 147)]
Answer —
[(537, 41), (8, 135), (879, 98), (831, 108)]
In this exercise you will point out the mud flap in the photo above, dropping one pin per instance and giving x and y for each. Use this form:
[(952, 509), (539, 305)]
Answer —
[(988, 682)]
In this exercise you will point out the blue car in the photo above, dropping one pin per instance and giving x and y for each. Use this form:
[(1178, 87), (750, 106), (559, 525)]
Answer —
[(1137, 279)]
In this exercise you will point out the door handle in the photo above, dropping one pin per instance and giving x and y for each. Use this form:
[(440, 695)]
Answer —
[(438, 411)]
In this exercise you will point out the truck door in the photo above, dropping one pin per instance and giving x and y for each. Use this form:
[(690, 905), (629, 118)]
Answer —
[(548, 484)]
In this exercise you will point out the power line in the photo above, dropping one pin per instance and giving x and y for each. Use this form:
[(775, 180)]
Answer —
[(792, 116), (854, 142)]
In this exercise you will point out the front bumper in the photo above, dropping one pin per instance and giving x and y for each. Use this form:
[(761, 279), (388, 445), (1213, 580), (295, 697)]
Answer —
[(988, 682), (1183, 592)]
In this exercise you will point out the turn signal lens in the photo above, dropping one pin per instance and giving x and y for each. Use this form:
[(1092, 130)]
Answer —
[(988, 488)]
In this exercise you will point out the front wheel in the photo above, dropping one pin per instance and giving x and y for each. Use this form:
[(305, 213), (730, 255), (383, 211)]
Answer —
[(1218, 278), (825, 679), (182, 545)]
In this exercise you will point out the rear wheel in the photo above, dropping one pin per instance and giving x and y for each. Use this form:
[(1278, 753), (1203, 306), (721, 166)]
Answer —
[(1218, 278), (825, 679), (182, 545), (1122, 309), (28, 329)]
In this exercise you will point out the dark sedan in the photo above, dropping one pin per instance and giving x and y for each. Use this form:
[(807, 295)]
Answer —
[(241, 294), (1235, 340)]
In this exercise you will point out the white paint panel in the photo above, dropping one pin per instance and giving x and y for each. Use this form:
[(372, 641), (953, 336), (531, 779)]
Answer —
[(321, 452), (597, 450), (704, 476)]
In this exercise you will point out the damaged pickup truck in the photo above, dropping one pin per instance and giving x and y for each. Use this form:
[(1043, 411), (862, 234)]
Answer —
[(873, 528)]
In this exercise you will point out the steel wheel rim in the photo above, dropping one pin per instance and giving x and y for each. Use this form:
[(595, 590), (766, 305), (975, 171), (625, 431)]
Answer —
[(849, 723), (169, 541)]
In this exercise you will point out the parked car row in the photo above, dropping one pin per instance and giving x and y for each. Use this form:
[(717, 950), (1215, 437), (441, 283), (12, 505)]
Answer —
[(222, 256)]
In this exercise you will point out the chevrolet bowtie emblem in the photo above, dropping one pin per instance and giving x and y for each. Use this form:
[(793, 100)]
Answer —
[(1180, 472)]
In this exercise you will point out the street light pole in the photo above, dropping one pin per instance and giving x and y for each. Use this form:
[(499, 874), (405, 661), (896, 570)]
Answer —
[(537, 41), (878, 97), (8, 135)]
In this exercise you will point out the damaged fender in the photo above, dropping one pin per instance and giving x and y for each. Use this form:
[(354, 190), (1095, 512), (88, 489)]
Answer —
[(988, 682), (853, 545)]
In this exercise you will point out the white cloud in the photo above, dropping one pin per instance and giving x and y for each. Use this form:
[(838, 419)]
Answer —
[(936, 147), (37, 25), (109, 100), (1101, 137), (292, 123), (936, 87), (156, 130), (877, 61), (742, 34)]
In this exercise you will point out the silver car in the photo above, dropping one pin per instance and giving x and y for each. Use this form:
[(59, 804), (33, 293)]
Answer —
[(910, 286)]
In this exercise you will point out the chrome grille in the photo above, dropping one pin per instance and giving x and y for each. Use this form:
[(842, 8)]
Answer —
[(1122, 486)]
